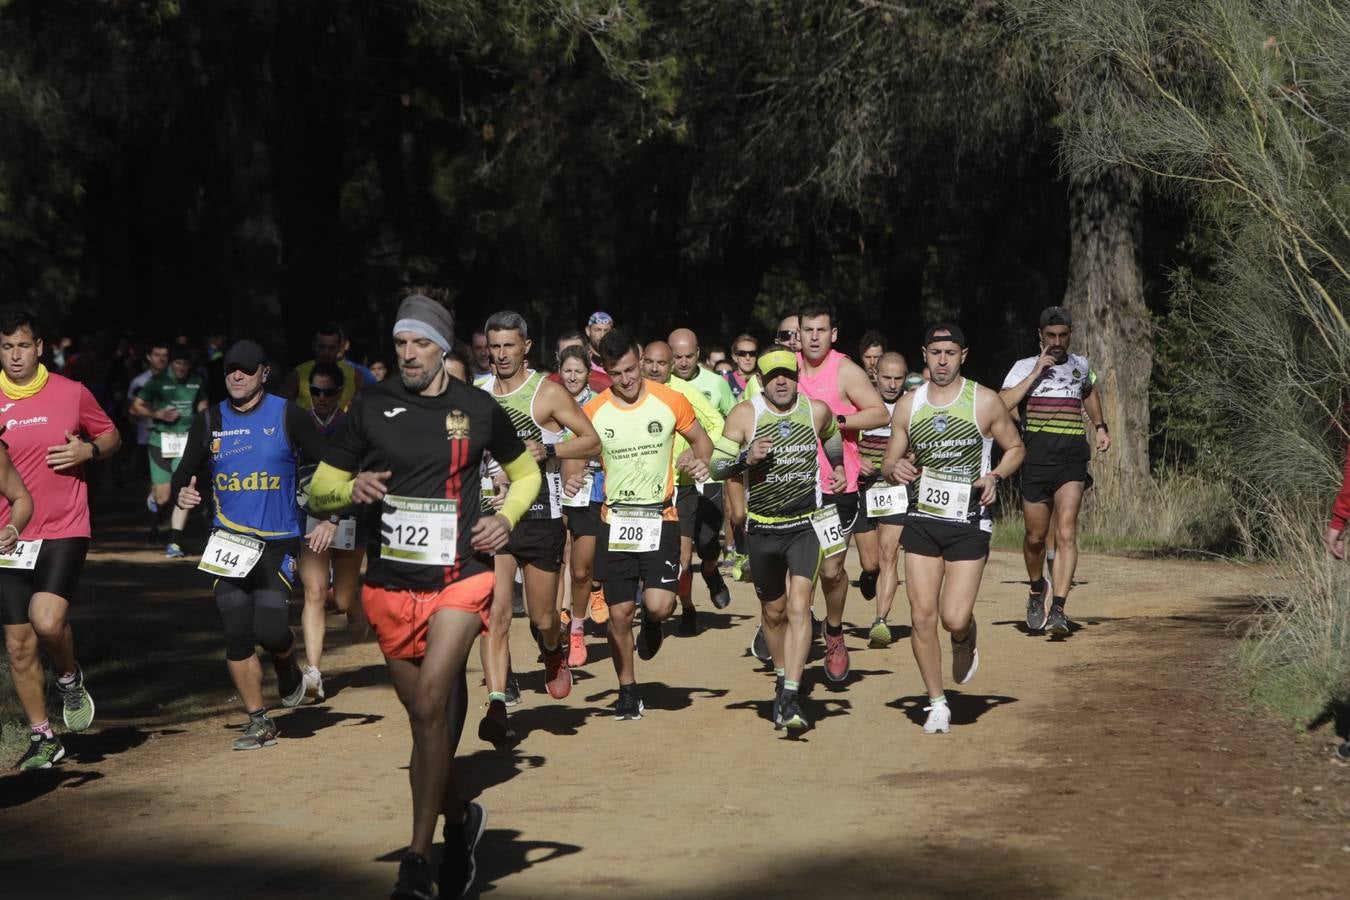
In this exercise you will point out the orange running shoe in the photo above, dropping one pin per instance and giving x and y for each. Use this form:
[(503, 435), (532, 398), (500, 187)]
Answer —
[(599, 608), (557, 673)]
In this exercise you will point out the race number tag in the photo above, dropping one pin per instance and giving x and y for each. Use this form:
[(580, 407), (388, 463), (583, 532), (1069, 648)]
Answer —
[(25, 556), (345, 536), (553, 482), (829, 531), (582, 498), (945, 495), (172, 445), (421, 532), (887, 500), (634, 530), (230, 555)]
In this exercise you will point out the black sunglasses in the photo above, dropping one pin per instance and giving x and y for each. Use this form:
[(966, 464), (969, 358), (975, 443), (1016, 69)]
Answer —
[(324, 392), (747, 353), (787, 335)]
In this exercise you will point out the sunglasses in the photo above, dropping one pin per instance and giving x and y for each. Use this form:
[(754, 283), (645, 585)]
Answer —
[(749, 352), (787, 335), (324, 392)]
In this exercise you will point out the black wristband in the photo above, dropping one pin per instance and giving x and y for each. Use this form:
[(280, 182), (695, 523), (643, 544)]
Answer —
[(550, 451), (1102, 426), (93, 449)]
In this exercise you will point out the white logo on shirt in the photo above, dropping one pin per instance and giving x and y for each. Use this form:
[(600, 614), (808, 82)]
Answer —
[(390, 413), (270, 431), (6, 407)]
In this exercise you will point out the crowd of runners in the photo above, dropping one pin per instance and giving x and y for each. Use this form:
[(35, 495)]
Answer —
[(438, 496)]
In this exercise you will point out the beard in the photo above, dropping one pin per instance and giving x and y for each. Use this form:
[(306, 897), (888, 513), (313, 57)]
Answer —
[(416, 379)]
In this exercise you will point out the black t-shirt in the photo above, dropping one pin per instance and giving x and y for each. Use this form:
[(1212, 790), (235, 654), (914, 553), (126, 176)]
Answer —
[(433, 446)]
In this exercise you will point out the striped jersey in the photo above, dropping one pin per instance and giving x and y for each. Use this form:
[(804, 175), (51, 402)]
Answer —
[(1052, 412), (519, 407), (949, 439), (783, 489)]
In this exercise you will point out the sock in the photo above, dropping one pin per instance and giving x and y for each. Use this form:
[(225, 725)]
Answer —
[(44, 728), (834, 630), (496, 697), (66, 679), (939, 700), (578, 625), (779, 671), (258, 713), (1050, 555), (1058, 601), (1038, 585), (790, 686)]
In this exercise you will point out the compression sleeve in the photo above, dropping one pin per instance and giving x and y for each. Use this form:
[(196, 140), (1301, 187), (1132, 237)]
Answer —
[(727, 459), (525, 483), (833, 447), (330, 490), (830, 430)]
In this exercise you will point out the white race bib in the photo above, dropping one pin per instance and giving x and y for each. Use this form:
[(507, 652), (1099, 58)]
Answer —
[(634, 530), (171, 446), (945, 495), (422, 532), (829, 531), (345, 536), (553, 481), (582, 498), (230, 555), (887, 500), (25, 556)]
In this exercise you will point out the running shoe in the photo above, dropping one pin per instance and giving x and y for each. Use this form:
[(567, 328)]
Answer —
[(939, 719), (415, 881), (649, 640), (759, 646), (718, 590), (599, 608), (689, 622), (77, 707), (629, 705), (740, 567), (512, 688), (1343, 752), (557, 672), (965, 658), (173, 551), (261, 732), (576, 649), (880, 636), (290, 681), (867, 585), (41, 753), (778, 685), (1036, 614), (790, 713), (496, 728), (836, 655), (565, 617), (459, 864), (1057, 622), (151, 505), (314, 683)]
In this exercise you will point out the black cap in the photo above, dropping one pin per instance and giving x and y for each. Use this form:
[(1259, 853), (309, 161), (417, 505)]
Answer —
[(952, 333), (1056, 315), (244, 355), (180, 351)]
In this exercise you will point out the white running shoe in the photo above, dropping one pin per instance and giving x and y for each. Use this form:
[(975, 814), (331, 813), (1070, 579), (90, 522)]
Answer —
[(314, 682), (939, 719)]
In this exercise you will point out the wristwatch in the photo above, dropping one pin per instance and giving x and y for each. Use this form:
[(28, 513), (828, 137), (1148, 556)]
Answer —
[(550, 451), (94, 451), (840, 419)]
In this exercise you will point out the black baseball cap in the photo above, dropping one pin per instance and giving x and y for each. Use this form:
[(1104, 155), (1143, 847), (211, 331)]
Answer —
[(180, 351), (244, 355), (952, 333), (1056, 315)]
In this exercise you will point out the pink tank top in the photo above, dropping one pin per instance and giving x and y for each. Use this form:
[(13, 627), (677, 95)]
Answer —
[(824, 386)]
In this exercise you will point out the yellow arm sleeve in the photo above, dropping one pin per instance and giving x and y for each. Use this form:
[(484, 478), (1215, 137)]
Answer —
[(525, 482), (330, 489)]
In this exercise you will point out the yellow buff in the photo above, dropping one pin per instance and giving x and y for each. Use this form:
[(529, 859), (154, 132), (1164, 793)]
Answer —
[(23, 392)]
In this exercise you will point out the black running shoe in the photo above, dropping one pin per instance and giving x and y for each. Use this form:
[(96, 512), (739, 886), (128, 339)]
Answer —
[(759, 646), (1343, 752), (496, 727), (717, 590), (415, 881), (512, 688), (867, 585), (629, 705), (649, 640), (1057, 622), (459, 865), (689, 623), (1036, 613), (290, 681), (790, 713)]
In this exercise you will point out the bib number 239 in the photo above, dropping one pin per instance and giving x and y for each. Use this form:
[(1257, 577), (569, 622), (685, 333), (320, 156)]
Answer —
[(944, 494), (634, 530), (423, 532)]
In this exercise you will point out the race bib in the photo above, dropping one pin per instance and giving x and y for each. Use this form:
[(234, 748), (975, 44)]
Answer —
[(582, 498), (422, 532), (24, 556), (345, 536), (230, 555), (887, 500), (634, 530), (829, 531), (945, 495), (553, 481), (171, 446)]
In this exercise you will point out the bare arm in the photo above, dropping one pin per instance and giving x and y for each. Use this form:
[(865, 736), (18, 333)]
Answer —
[(989, 407), (858, 390), (1012, 397), (565, 413), (1101, 437), (20, 503), (895, 467)]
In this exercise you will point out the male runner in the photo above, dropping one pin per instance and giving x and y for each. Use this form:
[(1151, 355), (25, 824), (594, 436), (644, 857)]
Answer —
[(1048, 393), (597, 326), (251, 442), (169, 400), (156, 361), (827, 375), (684, 350), (328, 346), (482, 358), (699, 505), (773, 439), (421, 438), (53, 428), (540, 411), (637, 421), (882, 516), (950, 425), (744, 354), (870, 350)]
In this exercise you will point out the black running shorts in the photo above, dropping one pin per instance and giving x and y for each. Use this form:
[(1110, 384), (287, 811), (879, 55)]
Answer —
[(953, 541), (621, 572), (701, 517), (1039, 482), (274, 570), (775, 554), (847, 504), (57, 572), (538, 543), (583, 521)]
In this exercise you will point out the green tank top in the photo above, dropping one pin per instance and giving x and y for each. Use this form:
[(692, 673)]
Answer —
[(519, 408), (165, 390), (949, 439), (784, 489)]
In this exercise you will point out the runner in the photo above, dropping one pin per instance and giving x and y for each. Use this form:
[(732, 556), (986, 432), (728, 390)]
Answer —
[(329, 345), (429, 572), (827, 375), (950, 425), (1049, 393), (684, 350), (583, 519), (639, 531), (541, 411), (870, 350), (597, 326), (744, 354), (169, 400), (156, 361), (598, 380), (773, 439), (882, 518), (53, 428), (699, 505), (250, 442), (482, 358)]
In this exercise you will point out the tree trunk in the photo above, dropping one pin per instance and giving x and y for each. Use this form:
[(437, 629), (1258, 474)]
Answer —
[(1105, 293)]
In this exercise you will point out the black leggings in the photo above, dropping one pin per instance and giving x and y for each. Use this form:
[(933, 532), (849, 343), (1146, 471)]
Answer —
[(253, 618)]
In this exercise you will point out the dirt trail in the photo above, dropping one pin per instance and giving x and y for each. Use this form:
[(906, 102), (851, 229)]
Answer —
[(1111, 763)]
